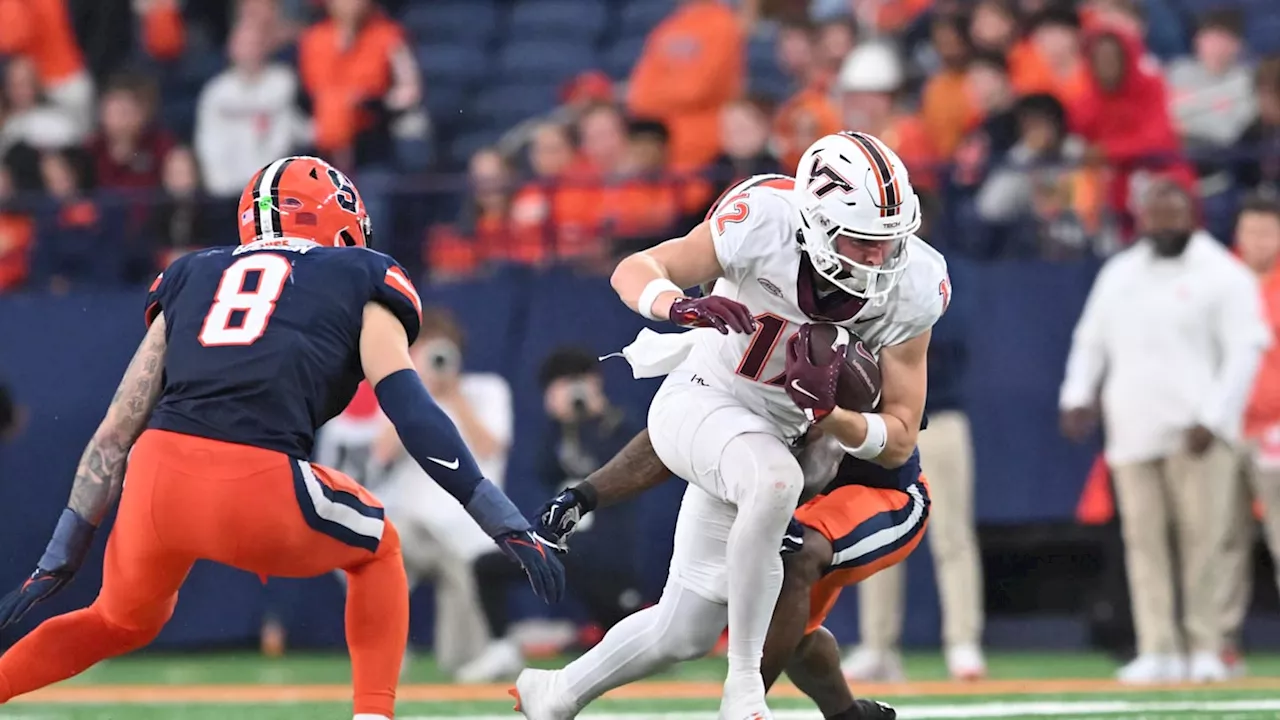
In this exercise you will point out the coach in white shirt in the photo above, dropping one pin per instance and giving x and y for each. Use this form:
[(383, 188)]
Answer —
[(1172, 334)]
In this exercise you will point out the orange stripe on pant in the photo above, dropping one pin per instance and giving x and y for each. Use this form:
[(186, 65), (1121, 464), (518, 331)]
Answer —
[(870, 529), (186, 499)]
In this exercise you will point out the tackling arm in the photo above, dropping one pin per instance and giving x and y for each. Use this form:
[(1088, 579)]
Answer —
[(629, 474), (100, 474), (904, 369)]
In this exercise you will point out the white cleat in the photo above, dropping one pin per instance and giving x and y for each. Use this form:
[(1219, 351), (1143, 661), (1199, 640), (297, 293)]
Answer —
[(743, 699), (866, 664), (1153, 669), (535, 696), (965, 662), (501, 660), (1207, 667)]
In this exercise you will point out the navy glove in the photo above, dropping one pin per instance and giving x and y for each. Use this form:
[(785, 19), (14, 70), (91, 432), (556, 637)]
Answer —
[(793, 538), (545, 572), (714, 311), (62, 558), (559, 517)]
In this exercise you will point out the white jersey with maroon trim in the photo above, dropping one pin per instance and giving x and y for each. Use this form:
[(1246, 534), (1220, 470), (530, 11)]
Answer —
[(754, 227)]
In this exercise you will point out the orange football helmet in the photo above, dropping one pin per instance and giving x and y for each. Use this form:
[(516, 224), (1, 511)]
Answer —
[(305, 197)]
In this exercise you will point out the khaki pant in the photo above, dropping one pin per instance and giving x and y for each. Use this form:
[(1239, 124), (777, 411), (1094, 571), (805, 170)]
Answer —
[(461, 629), (946, 455), (1184, 492), (1237, 531)]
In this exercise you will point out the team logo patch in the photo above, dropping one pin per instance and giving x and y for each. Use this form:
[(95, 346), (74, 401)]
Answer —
[(246, 217), (770, 288)]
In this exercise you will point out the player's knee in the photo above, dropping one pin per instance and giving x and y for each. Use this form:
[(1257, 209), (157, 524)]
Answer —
[(768, 477), (806, 567), (134, 630)]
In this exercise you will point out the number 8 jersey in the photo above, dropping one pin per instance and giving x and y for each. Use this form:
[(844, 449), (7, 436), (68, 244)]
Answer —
[(264, 339), (755, 228)]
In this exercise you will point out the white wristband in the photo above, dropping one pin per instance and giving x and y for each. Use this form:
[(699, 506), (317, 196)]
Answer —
[(875, 441), (656, 287)]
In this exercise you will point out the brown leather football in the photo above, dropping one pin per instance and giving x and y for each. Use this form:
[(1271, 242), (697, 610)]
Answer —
[(859, 386)]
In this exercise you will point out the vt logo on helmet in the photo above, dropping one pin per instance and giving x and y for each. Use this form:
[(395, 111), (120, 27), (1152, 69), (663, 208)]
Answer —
[(304, 197), (857, 209)]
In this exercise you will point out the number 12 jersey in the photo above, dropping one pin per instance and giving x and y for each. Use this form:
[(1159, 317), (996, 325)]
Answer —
[(263, 340)]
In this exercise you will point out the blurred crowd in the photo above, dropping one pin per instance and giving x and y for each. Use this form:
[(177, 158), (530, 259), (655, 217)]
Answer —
[(1028, 124)]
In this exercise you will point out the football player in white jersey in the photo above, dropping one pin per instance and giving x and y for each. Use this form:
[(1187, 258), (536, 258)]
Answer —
[(835, 244)]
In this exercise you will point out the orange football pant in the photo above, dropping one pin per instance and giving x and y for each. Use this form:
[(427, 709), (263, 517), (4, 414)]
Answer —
[(870, 529), (186, 499)]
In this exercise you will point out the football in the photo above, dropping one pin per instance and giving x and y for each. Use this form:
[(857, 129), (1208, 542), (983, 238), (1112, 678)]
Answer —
[(859, 386)]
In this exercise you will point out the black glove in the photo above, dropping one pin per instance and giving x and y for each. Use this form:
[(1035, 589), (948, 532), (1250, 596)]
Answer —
[(559, 517), (545, 572), (62, 558)]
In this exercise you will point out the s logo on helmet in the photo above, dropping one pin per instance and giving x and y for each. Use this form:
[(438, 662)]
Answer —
[(346, 193)]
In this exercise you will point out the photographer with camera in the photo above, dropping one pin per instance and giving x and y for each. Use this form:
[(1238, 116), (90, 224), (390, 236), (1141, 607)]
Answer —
[(438, 542), (586, 430)]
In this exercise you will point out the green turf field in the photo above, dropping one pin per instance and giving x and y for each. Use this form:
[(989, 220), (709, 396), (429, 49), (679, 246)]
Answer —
[(240, 686)]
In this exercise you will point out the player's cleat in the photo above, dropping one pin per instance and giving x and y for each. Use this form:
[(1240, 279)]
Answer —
[(965, 662), (534, 694), (743, 699), (873, 710), (865, 664), (1153, 669), (1207, 667)]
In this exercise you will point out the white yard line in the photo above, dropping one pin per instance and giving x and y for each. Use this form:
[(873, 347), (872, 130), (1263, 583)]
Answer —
[(968, 711)]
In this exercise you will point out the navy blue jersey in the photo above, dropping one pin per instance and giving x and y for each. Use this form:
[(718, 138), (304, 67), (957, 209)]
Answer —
[(853, 471), (263, 340)]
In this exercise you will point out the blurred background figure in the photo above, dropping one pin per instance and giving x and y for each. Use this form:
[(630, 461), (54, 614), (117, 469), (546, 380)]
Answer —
[(946, 458), (585, 431), (438, 545), (9, 417), (1257, 485), (245, 117), (1136, 350)]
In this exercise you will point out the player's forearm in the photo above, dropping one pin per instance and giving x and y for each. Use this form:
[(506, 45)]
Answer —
[(100, 475), (432, 440), (850, 429), (630, 473), (634, 281)]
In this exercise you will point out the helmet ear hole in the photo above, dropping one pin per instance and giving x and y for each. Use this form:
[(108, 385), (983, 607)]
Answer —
[(347, 239)]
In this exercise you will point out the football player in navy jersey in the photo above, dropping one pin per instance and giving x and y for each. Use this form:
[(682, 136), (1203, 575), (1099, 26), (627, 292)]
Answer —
[(248, 351)]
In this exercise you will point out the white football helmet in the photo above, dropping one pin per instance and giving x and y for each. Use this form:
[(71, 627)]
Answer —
[(852, 190)]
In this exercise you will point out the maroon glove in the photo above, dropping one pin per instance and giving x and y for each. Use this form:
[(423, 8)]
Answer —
[(714, 311), (812, 387)]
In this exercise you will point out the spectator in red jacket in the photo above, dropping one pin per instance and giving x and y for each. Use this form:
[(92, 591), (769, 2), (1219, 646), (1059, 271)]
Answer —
[(1124, 114)]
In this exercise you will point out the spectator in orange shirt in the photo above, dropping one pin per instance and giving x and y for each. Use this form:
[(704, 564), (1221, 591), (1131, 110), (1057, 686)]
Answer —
[(692, 64), (481, 235), (946, 109), (1050, 60), (542, 204), (868, 86), (42, 31), (164, 34), (360, 77), (1257, 243)]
